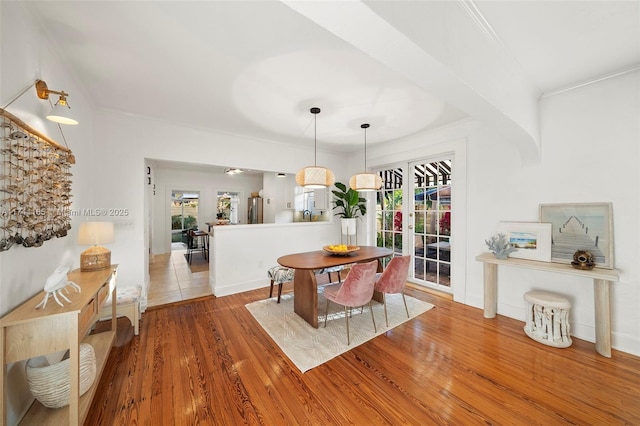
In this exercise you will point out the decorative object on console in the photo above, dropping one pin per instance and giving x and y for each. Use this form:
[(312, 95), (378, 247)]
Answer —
[(583, 259), (365, 181), (583, 226), (56, 284), (49, 384), (531, 239), (315, 176), (500, 246), (95, 233)]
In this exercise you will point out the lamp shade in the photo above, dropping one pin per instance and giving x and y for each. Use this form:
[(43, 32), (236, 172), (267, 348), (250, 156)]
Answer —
[(95, 233), (315, 177), (61, 113), (365, 182)]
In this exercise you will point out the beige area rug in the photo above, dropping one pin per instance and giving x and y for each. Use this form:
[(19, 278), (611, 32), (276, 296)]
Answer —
[(308, 347)]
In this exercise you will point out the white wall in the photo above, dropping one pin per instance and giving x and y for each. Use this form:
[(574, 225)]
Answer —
[(242, 254), (26, 54), (195, 178), (590, 153)]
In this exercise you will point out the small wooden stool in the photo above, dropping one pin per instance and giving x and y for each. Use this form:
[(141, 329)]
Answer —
[(279, 275), (127, 304), (548, 318)]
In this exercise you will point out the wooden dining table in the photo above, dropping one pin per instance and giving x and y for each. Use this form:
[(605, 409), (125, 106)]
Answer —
[(305, 285)]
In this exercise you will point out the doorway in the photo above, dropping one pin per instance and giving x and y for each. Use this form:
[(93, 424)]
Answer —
[(413, 216), (184, 216), (227, 206), (430, 229)]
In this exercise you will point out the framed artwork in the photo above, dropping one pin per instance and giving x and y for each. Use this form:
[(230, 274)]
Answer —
[(532, 239), (583, 226)]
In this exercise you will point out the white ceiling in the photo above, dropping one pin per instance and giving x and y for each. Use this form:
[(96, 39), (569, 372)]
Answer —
[(255, 68)]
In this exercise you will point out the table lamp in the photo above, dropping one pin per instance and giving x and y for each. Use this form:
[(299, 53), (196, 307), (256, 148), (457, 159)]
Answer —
[(94, 234)]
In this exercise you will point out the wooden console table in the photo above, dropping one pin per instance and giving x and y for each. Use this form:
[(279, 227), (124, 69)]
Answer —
[(28, 332), (601, 283)]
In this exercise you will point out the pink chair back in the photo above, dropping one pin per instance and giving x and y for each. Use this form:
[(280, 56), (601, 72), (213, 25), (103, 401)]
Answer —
[(357, 288), (394, 277)]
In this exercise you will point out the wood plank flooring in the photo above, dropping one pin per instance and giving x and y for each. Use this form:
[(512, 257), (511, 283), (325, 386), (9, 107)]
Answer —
[(207, 362)]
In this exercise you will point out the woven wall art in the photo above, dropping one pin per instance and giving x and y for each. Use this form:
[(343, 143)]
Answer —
[(35, 185)]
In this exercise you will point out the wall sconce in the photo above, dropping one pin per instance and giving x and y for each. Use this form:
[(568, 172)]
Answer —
[(93, 234), (61, 112)]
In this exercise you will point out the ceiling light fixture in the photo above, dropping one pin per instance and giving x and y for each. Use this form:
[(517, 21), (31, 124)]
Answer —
[(233, 171), (315, 176), (61, 112), (365, 181)]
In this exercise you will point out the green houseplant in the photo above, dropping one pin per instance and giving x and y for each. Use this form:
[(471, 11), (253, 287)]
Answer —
[(349, 206), (348, 203)]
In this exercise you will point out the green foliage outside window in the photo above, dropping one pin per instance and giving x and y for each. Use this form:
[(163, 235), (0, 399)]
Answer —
[(177, 222)]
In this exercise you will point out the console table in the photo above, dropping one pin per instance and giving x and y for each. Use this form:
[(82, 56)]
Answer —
[(28, 332), (601, 283)]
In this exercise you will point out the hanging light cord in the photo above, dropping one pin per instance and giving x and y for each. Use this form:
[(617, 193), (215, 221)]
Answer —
[(365, 126), (20, 94), (60, 128), (315, 140), (365, 149)]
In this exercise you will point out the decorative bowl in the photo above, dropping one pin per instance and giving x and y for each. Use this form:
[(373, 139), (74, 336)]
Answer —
[(333, 249)]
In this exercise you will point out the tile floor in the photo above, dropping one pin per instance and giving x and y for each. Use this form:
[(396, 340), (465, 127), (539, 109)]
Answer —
[(172, 279)]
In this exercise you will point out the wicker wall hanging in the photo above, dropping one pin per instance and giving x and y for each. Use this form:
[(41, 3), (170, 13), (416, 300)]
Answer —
[(35, 185)]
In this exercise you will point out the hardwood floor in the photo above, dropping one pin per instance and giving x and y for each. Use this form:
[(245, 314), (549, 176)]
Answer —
[(207, 361)]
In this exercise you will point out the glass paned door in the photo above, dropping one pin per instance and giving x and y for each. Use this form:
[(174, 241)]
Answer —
[(389, 204), (431, 233), (184, 215)]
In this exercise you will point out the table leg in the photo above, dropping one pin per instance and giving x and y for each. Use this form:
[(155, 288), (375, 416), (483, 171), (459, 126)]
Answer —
[(305, 296), (603, 317), (490, 290)]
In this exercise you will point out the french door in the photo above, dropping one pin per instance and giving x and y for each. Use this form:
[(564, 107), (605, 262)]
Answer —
[(413, 216), (430, 227)]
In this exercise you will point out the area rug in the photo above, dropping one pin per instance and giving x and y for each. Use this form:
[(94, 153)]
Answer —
[(308, 347)]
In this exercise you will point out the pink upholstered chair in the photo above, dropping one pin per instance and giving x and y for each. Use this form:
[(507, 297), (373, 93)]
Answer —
[(393, 280), (356, 290)]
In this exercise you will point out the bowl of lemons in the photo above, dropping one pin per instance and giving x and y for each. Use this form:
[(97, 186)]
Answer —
[(340, 249)]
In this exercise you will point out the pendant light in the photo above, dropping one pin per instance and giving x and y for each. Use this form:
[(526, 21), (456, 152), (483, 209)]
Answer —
[(365, 181), (315, 176)]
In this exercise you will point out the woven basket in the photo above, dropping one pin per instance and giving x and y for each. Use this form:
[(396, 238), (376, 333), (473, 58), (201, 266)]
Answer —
[(49, 384)]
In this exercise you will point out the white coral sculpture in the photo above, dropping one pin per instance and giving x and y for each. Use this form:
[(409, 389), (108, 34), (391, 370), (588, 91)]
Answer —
[(500, 246)]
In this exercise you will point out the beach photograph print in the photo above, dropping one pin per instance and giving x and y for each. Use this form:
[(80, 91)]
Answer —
[(587, 226), (532, 240)]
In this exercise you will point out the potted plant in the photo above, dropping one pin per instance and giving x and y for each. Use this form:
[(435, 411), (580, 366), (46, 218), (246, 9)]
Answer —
[(349, 206)]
